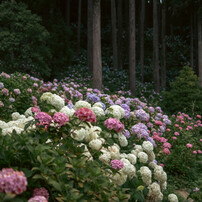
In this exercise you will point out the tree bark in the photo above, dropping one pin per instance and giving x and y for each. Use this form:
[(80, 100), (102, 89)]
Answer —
[(200, 46), (79, 29), (120, 30), (156, 46), (97, 65), (132, 46), (114, 34), (67, 12), (191, 40), (163, 70), (90, 35), (142, 19)]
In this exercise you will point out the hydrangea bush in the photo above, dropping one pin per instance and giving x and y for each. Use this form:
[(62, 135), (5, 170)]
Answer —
[(82, 144)]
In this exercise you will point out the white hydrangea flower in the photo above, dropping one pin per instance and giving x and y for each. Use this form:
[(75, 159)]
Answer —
[(154, 189), (9, 131), (114, 151), (147, 146), (79, 135), (99, 112), (116, 111), (143, 157), (123, 155), (151, 156), (163, 185), (98, 104), (3, 124), (105, 156), (132, 158), (67, 111), (15, 116), (107, 135), (139, 147), (28, 112), (152, 165), (93, 133), (172, 198), (119, 178), (53, 99), (95, 144), (82, 104), (122, 140), (146, 175)]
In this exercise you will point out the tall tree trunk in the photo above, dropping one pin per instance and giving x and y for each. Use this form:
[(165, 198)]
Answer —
[(97, 65), (114, 34), (120, 30), (79, 29), (192, 38), (90, 35), (163, 32), (67, 12), (132, 51), (142, 19), (156, 46), (200, 46)]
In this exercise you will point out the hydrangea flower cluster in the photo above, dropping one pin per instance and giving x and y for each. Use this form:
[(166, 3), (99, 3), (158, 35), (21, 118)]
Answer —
[(113, 123), (85, 114), (117, 164), (11, 181), (38, 199), (41, 192), (60, 118), (43, 118)]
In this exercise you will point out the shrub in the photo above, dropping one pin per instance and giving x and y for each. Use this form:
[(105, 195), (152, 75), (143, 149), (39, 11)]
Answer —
[(22, 40), (184, 94)]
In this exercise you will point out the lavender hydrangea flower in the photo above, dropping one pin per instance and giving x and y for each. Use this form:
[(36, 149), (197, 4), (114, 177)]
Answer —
[(142, 115), (17, 91), (126, 133), (93, 98), (125, 107), (1, 85), (12, 99)]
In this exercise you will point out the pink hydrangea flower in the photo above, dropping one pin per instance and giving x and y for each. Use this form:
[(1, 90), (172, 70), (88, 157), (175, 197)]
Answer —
[(43, 118), (38, 199), (113, 123), (174, 138), (1, 104), (60, 118), (41, 192), (85, 114), (199, 151), (180, 128), (117, 164), (17, 91), (11, 181), (167, 145), (189, 145), (35, 109), (5, 91), (168, 130), (198, 116), (166, 151), (158, 123), (161, 164), (29, 90), (194, 152), (176, 133)]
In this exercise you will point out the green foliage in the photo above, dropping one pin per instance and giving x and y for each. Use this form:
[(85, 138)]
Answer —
[(23, 40), (184, 94)]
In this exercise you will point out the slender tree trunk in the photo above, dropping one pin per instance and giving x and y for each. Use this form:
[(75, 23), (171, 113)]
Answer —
[(67, 12), (120, 30), (132, 46), (97, 64), (191, 41), (156, 46), (200, 46), (90, 35), (163, 32), (142, 19), (126, 40), (79, 29), (114, 34)]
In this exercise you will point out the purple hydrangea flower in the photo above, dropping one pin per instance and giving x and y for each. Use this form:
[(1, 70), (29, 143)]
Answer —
[(93, 98), (11, 99), (38, 199), (126, 133), (1, 85)]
